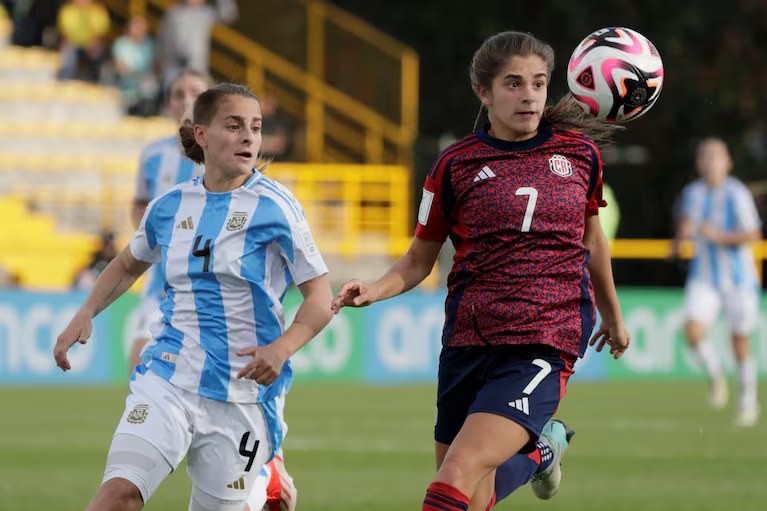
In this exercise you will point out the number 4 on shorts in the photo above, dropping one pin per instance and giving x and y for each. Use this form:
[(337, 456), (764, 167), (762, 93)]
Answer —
[(250, 454)]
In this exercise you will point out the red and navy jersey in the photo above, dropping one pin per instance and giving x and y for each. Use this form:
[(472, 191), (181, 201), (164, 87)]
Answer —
[(516, 213)]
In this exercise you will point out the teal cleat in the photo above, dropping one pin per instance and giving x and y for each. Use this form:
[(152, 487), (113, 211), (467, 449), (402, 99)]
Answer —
[(557, 436)]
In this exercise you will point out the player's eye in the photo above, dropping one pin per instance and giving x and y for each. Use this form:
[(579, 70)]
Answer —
[(256, 129), (233, 127), (514, 85), (540, 84)]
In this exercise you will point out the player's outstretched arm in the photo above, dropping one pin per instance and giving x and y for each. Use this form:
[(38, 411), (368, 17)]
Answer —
[(612, 331), (117, 277), (405, 274), (312, 316)]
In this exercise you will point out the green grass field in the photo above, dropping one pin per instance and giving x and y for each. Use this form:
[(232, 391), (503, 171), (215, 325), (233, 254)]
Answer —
[(639, 446)]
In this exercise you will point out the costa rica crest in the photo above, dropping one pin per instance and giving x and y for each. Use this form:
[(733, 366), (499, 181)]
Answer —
[(560, 165)]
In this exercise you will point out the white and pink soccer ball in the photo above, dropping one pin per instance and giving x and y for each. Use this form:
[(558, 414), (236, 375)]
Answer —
[(615, 74)]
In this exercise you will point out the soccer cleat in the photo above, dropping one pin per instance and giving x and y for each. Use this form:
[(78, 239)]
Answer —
[(747, 417), (281, 493), (557, 436), (718, 393)]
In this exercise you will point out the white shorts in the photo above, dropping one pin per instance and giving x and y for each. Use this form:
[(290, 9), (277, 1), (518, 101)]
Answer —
[(226, 444), (149, 315), (741, 306)]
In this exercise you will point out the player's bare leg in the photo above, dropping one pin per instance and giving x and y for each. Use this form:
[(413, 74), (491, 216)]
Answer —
[(117, 495), (483, 496), (695, 331), (748, 408), (484, 442)]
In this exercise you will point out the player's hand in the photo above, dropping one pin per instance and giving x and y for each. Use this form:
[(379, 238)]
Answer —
[(266, 365), (615, 336), (354, 293), (711, 233), (78, 330)]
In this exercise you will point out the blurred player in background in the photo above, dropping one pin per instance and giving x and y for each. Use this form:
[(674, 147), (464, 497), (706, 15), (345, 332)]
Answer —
[(211, 384), (719, 213), (162, 166), (519, 199)]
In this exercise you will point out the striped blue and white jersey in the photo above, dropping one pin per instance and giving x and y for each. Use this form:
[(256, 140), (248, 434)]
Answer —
[(728, 208), (227, 260), (162, 165)]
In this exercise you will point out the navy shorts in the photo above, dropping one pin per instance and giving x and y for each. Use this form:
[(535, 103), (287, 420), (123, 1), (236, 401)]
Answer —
[(523, 383)]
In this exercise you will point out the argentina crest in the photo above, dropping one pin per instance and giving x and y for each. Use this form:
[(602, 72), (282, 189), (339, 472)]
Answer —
[(237, 221), (138, 415), (560, 165)]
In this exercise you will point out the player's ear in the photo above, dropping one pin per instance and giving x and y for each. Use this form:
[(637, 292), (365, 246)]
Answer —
[(199, 135), (484, 95)]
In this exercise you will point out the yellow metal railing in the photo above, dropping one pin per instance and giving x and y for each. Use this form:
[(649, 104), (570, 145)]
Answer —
[(354, 210), (660, 249), (338, 125)]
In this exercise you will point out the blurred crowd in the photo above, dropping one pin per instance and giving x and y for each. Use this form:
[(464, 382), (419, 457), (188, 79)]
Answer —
[(136, 61), (139, 61)]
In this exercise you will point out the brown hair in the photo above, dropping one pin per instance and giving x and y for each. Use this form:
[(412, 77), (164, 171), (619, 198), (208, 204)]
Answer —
[(565, 114), (205, 108)]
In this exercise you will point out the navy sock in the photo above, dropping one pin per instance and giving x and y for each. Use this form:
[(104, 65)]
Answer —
[(520, 468)]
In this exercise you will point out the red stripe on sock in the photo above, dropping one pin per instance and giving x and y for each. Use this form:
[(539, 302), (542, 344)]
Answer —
[(443, 497), (535, 456)]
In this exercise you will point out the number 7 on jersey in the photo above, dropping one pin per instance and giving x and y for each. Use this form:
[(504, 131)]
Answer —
[(532, 198)]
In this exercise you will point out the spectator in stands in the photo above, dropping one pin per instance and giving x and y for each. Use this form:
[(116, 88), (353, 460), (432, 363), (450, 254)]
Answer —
[(184, 38), (276, 133), (133, 55), (34, 21), (106, 251), (83, 25)]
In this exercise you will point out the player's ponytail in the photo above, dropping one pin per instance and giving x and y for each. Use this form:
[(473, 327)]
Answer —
[(565, 114), (192, 149), (205, 107)]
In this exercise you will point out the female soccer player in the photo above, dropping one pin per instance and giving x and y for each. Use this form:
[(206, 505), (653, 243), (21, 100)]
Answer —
[(519, 200), (719, 212), (210, 384), (163, 165)]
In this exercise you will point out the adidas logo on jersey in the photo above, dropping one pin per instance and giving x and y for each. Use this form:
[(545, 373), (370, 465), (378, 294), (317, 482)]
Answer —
[(186, 224), (239, 484), (523, 405), (485, 173)]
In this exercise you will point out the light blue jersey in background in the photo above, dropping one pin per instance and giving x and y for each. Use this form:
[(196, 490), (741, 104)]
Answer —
[(162, 165), (728, 208)]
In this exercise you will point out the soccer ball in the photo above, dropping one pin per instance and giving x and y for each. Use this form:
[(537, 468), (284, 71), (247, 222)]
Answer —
[(615, 74)]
